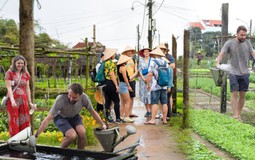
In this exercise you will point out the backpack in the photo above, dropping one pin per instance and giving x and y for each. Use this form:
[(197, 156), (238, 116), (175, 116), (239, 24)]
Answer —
[(99, 75), (93, 74), (163, 74)]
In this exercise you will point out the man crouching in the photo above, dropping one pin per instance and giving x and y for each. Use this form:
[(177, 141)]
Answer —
[(65, 114)]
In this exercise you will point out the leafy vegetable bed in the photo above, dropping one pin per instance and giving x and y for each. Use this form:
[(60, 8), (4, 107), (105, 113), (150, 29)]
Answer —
[(231, 135)]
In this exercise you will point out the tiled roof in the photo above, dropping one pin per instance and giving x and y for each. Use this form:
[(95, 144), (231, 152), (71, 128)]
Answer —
[(196, 24), (212, 23), (83, 45)]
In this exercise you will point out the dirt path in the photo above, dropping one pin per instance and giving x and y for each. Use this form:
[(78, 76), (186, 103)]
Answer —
[(211, 147), (158, 142)]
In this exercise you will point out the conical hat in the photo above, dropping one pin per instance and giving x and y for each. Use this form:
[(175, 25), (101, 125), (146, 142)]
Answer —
[(109, 52), (142, 50), (162, 46), (128, 48), (165, 59), (114, 60), (123, 59), (158, 52), (98, 97)]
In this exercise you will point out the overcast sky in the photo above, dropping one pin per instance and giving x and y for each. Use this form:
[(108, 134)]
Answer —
[(70, 21)]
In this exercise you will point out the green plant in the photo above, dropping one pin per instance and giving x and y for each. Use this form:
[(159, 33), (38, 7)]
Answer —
[(189, 146), (229, 134)]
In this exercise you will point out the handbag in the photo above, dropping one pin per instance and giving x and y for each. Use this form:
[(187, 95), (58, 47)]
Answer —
[(5, 98), (3, 102), (146, 71)]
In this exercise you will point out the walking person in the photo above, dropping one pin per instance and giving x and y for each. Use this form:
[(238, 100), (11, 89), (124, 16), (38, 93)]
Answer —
[(65, 115), (132, 73), (239, 50), (18, 91), (158, 93), (111, 90), (124, 88), (144, 95)]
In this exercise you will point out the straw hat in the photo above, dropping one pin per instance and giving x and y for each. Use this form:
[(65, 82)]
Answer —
[(165, 59), (123, 59), (162, 46), (142, 50), (114, 60), (98, 97), (158, 52), (128, 48), (109, 52)]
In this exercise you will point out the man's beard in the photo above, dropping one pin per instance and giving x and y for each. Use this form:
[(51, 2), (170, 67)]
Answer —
[(241, 40), (72, 102)]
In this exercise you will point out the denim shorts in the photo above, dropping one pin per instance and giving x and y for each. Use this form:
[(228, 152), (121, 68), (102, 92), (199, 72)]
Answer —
[(64, 124), (159, 95), (123, 88), (239, 83)]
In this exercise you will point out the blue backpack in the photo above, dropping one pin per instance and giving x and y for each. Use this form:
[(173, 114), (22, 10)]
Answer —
[(100, 77), (163, 74)]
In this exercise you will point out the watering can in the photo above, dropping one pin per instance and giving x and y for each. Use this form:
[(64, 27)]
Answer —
[(108, 137), (23, 141)]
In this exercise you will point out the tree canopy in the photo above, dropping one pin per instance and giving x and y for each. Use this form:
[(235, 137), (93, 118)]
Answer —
[(9, 35)]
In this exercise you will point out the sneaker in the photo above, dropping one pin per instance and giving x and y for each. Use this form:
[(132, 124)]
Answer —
[(110, 120), (128, 120), (120, 121), (147, 114), (159, 116)]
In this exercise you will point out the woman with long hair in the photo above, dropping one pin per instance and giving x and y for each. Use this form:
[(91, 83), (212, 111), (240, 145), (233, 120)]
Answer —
[(19, 100)]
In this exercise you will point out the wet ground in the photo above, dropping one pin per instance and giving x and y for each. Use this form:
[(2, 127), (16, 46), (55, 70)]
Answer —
[(157, 140)]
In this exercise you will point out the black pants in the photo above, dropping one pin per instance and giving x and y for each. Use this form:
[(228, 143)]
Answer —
[(100, 108), (111, 95), (169, 111)]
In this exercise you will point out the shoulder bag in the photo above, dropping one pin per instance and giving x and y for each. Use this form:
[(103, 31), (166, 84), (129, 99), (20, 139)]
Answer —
[(5, 98)]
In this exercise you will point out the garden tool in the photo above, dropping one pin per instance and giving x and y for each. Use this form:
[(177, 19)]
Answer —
[(23, 141), (108, 138)]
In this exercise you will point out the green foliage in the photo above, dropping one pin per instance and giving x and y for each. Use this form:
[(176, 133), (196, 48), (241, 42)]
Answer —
[(189, 146), (229, 134), (3, 121), (200, 152), (206, 63), (198, 81), (8, 32)]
